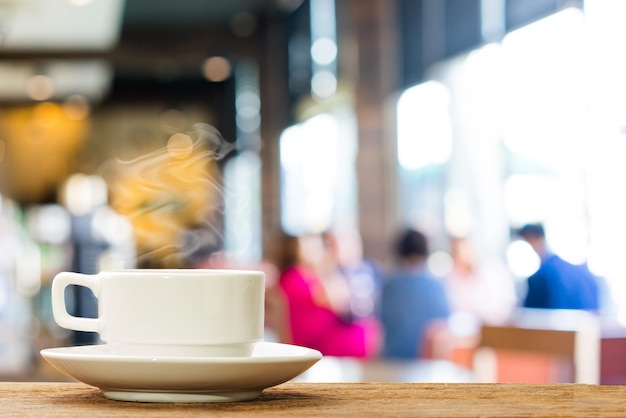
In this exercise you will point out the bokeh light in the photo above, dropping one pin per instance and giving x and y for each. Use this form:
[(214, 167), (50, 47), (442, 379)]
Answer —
[(39, 87), (179, 145), (217, 69)]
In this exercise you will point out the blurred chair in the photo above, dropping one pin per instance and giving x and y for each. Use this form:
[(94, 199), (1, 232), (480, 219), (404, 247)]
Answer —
[(445, 342), (541, 339)]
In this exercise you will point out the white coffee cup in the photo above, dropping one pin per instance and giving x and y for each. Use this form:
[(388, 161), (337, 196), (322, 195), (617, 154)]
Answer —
[(170, 312)]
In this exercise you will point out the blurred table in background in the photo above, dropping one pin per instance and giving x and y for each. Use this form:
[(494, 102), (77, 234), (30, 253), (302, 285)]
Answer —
[(334, 369)]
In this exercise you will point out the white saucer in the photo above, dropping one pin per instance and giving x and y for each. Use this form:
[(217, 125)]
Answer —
[(182, 379)]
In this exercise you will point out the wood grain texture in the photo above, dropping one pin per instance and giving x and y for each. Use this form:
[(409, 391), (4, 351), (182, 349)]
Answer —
[(335, 400)]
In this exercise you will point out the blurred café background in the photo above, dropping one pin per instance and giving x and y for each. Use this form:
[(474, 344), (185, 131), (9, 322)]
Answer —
[(155, 133)]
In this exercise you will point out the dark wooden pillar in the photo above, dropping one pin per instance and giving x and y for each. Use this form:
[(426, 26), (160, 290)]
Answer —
[(373, 31), (274, 118)]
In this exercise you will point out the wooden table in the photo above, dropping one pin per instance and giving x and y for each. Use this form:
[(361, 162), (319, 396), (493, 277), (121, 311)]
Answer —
[(334, 400)]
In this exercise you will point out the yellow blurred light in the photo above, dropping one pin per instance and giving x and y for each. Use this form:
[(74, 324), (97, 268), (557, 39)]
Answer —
[(47, 114), (42, 146), (216, 69)]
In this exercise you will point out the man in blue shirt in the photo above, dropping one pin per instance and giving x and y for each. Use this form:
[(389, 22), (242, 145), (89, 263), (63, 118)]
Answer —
[(411, 298), (557, 284)]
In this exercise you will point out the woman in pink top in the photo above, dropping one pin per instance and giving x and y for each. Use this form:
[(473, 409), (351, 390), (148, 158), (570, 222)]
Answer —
[(317, 299)]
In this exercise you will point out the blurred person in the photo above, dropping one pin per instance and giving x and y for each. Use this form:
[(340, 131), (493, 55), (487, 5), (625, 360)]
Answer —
[(318, 302), (483, 289), (412, 298), (362, 276), (557, 284), (101, 239)]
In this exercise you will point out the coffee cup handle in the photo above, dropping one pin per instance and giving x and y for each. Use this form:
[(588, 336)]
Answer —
[(59, 309)]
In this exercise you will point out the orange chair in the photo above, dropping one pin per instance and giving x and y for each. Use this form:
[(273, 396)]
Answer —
[(546, 341)]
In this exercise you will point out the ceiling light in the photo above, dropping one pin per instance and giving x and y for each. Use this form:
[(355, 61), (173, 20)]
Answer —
[(60, 24)]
